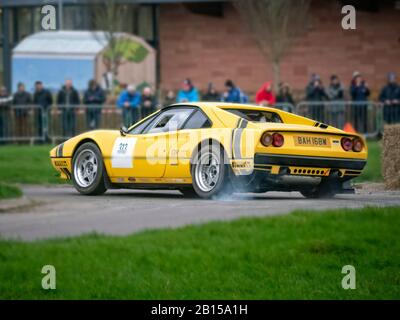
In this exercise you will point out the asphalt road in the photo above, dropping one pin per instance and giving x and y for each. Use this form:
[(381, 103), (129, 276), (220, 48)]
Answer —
[(60, 211)]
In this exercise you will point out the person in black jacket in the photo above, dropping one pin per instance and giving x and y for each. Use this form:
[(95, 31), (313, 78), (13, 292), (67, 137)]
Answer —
[(5, 107), (390, 98), (67, 99), (44, 99), (93, 98), (212, 94), (22, 99), (337, 110), (359, 93), (284, 97), (315, 92)]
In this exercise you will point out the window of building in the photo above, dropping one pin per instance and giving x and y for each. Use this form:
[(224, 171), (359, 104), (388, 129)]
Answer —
[(145, 23), (24, 23)]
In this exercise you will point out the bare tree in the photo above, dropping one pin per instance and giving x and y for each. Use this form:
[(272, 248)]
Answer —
[(110, 18), (275, 24)]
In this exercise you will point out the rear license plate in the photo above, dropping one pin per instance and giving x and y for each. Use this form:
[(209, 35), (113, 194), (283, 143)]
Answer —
[(312, 141)]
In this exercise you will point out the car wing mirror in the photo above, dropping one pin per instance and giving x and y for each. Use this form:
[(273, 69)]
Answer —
[(123, 130)]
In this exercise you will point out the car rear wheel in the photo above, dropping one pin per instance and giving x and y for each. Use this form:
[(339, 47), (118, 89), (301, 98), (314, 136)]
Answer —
[(322, 191), (88, 172), (210, 174)]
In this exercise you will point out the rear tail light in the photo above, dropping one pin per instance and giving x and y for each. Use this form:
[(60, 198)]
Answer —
[(277, 140), (266, 139), (357, 145), (347, 144)]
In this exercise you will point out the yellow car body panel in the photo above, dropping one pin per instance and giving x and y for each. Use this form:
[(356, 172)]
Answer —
[(165, 158)]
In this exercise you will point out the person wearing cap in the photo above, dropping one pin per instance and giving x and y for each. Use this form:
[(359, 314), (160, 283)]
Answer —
[(233, 93), (129, 101), (188, 93), (359, 92), (390, 98), (335, 93)]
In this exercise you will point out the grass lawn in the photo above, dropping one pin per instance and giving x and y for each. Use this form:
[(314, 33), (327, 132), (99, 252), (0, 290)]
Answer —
[(299, 256), (31, 164), (7, 191), (26, 164), (372, 171)]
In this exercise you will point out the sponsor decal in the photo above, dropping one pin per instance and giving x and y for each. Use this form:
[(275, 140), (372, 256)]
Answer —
[(241, 164), (60, 163)]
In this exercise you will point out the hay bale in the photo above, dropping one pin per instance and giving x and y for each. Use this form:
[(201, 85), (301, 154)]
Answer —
[(391, 156)]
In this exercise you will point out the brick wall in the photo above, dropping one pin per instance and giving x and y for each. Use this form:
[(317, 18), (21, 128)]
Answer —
[(208, 48)]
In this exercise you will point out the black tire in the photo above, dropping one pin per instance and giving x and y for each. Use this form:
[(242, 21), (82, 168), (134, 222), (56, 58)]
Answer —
[(222, 185), (98, 184), (320, 192), (189, 192)]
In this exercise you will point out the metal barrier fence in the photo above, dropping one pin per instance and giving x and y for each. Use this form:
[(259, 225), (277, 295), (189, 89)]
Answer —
[(22, 123), (66, 121), (285, 106), (364, 117), (32, 123)]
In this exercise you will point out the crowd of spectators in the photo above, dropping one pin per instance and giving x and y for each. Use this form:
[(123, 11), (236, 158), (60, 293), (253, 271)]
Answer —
[(136, 104)]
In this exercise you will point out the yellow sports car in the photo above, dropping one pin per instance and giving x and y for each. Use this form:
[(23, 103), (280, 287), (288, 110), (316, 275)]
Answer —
[(210, 149)]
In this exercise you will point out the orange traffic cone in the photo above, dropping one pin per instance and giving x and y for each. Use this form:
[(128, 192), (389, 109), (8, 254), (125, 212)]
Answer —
[(348, 127)]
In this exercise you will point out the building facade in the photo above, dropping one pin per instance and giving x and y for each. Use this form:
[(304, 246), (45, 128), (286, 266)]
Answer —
[(207, 41)]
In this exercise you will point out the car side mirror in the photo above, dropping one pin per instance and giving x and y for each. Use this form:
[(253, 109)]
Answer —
[(123, 130)]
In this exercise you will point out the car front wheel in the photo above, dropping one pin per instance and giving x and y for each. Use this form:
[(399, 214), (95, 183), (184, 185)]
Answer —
[(88, 173)]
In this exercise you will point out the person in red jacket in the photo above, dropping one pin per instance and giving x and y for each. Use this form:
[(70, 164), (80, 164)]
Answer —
[(265, 96)]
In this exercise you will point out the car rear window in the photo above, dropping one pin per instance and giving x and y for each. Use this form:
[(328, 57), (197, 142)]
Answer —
[(256, 115)]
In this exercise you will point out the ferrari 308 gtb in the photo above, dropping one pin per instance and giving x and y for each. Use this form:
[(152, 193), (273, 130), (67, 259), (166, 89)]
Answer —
[(210, 149)]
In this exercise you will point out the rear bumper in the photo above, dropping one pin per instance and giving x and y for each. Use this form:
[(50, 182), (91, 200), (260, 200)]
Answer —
[(307, 161)]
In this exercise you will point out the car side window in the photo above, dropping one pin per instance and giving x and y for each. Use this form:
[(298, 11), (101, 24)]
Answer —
[(197, 121), (140, 127), (169, 120)]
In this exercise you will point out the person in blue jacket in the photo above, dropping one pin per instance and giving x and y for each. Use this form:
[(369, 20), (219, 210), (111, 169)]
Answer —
[(188, 93), (130, 100), (233, 93)]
